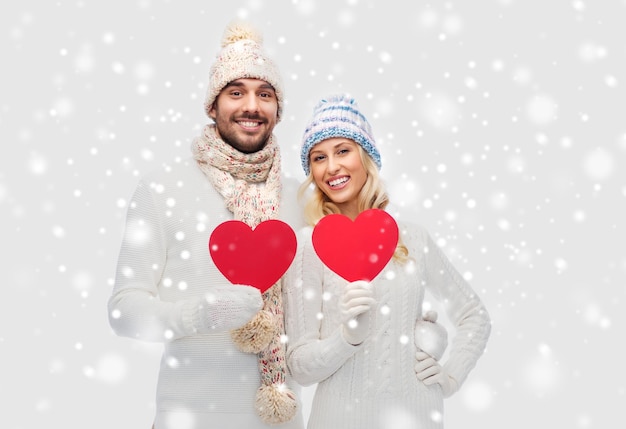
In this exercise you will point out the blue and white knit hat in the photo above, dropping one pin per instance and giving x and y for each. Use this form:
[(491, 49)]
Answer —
[(338, 116)]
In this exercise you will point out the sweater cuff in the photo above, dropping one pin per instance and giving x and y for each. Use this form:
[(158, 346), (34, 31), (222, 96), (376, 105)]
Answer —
[(313, 362), (340, 347), (457, 370)]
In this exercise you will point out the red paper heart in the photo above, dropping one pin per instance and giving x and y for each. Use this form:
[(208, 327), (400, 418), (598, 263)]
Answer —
[(256, 257), (356, 250)]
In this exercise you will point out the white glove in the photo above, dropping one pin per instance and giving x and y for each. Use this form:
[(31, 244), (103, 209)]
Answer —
[(225, 308), (430, 372), (430, 336), (355, 305)]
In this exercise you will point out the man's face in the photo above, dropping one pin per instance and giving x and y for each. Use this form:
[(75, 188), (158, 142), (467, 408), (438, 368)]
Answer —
[(245, 113)]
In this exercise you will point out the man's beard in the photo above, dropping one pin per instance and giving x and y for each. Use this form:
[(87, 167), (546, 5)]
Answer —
[(233, 140)]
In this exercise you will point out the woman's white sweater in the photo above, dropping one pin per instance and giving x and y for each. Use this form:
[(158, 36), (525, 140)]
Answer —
[(373, 385), (164, 263)]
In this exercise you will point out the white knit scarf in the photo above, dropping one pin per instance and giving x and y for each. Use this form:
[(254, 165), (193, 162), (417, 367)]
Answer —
[(251, 187)]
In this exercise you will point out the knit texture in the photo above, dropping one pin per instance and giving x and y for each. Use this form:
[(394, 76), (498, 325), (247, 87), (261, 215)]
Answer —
[(204, 380), (374, 385), (242, 56), (338, 116), (250, 185)]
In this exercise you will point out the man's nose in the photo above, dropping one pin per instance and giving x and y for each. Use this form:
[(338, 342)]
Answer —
[(251, 103)]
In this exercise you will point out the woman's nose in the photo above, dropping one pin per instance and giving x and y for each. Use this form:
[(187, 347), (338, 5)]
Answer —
[(333, 165)]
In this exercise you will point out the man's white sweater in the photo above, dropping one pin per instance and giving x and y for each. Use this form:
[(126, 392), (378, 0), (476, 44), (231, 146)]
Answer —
[(164, 264)]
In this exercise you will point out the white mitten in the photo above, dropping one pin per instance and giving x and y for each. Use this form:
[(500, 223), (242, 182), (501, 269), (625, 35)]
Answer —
[(224, 308), (429, 371), (430, 336), (355, 305)]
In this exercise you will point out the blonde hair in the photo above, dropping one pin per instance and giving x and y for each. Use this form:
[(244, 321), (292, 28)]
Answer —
[(372, 196)]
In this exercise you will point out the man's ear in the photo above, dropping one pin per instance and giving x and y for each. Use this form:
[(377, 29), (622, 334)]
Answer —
[(211, 111)]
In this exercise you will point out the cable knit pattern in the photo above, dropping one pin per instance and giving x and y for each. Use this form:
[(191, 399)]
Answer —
[(369, 385), (164, 264), (382, 354)]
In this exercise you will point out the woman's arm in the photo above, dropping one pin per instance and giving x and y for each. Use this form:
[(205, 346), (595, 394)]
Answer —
[(464, 309), (310, 358)]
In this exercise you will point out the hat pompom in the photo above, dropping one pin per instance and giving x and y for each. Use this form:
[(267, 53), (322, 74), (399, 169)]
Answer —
[(239, 30)]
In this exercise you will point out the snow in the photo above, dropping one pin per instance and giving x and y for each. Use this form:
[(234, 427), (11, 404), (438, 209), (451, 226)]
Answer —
[(501, 127)]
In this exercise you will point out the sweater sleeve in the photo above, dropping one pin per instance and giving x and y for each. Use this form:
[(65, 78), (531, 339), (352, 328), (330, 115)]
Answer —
[(310, 357), (135, 309), (464, 309)]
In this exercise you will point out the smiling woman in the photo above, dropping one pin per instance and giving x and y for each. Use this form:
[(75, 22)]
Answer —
[(365, 341), (338, 171)]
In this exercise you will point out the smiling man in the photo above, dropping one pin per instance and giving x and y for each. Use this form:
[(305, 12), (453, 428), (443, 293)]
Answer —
[(245, 113), (223, 363)]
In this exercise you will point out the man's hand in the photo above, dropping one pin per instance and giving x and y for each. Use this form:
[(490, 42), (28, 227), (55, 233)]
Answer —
[(226, 308)]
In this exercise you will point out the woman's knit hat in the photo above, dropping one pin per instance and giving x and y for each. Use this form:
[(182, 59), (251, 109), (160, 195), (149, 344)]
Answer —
[(338, 116), (242, 56)]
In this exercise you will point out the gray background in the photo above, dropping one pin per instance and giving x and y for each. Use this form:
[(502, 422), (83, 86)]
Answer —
[(501, 124)]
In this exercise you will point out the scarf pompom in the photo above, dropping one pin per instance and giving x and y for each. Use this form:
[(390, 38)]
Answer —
[(256, 335), (276, 403)]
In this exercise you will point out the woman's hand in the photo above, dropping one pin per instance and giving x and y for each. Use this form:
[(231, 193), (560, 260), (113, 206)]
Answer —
[(355, 305), (430, 372)]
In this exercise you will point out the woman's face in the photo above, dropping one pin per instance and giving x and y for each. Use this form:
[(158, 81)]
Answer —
[(338, 172)]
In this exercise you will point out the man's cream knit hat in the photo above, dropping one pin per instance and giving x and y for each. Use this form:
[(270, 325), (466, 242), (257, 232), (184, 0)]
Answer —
[(242, 56)]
